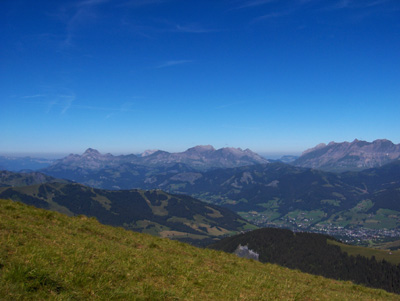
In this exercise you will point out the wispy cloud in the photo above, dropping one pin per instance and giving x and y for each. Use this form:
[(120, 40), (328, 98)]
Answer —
[(33, 96), (352, 4), (67, 104), (82, 13), (138, 3), (273, 15), (168, 26), (91, 2), (291, 7), (253, 3), (173, 63), (63, 101)]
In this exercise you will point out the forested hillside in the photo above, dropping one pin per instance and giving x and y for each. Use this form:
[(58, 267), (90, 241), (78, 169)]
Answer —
[(311, 253), (154, 212)]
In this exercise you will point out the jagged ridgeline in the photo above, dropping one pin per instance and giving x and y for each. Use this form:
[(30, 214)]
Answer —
[(155, 212), (315, 254), (45, 255), (346, 156)]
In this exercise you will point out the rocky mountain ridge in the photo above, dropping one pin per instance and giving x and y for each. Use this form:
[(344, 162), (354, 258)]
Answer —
[(349, 156), (199, 157)]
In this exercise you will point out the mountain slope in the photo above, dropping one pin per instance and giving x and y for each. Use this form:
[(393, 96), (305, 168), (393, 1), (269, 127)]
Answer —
[(312, 253), (156, 212), (46, 255), (346, 156), (10, 179), (272, 192), (278, 194)]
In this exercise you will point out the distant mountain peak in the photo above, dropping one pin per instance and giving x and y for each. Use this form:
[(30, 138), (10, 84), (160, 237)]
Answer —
[(383, 141), (234, 149), (200, 157), (356, 155), (202, 148), (321, 145), (91, 151), (148, 152)]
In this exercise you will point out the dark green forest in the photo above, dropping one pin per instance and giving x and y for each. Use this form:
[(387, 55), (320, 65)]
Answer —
[(311, 253)]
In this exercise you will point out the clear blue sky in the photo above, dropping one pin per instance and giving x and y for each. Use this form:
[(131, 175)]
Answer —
[(122, 76)]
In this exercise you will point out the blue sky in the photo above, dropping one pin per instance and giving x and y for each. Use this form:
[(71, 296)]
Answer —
[(122, 76)]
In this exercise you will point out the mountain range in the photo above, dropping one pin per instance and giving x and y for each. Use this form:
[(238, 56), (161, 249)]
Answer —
[(336, 157), (202, 157), (347, 156), (263, 192), (267, 194)]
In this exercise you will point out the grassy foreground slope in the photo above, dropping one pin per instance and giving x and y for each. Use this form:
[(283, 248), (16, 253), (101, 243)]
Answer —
[(47, 255)]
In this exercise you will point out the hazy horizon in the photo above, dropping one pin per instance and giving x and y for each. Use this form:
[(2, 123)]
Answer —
[(124, 76), (47, 155), (58, 155)]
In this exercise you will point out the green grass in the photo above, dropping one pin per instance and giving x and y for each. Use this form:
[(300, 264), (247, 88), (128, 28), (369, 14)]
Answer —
[(47, 255), (390, 256), (388, 245), (331, 202)]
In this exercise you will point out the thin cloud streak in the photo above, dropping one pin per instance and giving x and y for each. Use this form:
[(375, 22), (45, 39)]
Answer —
[(84, 11), (254, 3), (34, 96), (300, 4), (168, 26), (273, 15), (68, 104), (63, 101), (138, 3), (351, 4), (92, 2)]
